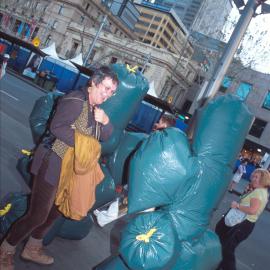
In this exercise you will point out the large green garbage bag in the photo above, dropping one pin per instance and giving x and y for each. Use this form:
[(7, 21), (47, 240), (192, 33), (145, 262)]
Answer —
[(164, 158), (76, 229), (186, 181), (148, 239), (196, 254), (118, 161), (69, 229), (120, 108), (105, 191), (12, 207), (41, 113), (53, 231)]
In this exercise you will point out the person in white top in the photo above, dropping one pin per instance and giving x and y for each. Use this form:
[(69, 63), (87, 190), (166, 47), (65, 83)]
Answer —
[(238, 174), (3, 65)]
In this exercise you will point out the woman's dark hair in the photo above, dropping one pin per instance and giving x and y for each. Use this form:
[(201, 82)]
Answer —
[(101, 73)]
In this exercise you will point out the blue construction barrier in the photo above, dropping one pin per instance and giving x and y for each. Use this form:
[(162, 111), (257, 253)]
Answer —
[(82, 81), (145, 117), (66, 75)]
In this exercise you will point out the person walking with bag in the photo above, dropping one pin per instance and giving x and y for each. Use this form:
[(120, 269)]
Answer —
[(3, 64), (77, 116), (239, 222), (238, 174)]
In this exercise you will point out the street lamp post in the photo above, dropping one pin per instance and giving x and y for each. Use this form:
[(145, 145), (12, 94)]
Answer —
[(147, 60), (227, 56), (104, 20), (95, 40), (231, 48)]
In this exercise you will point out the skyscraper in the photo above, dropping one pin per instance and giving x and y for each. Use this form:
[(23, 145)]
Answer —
[(185, 9), (204, 16)]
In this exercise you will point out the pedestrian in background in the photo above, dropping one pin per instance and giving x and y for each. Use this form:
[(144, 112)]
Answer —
[(3, 64), (76, 112), (238, 174), (251, 206), (164, 122)]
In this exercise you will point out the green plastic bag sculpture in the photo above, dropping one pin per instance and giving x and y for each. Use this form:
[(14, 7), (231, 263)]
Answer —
[(12, 207), (184, 182)]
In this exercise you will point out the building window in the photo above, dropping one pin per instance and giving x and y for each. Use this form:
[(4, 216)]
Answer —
[(257, 128), (150, 34), (34, 33), (54, 25), (163, 42), (147, 41), (113, 60), (226, 83), (186, 106), (146, 15), (165, 33), (144, 23), (154, 26), (75, 46), (199, 79), (157, 19), (243, 90), (61, 8), (170, 27), (48, 39), (266, 103)]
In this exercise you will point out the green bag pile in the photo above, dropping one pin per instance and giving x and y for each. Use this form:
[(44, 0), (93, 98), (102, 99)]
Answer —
[(184, 182)]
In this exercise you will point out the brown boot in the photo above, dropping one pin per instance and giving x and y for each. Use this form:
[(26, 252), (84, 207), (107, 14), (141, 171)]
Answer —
[(33, 251), (7, 256)]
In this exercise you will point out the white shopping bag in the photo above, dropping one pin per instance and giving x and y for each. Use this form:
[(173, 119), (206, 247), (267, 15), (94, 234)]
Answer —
[(106, 216)]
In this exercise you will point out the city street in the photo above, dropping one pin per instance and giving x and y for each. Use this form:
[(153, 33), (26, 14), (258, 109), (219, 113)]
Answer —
[(16, 101)]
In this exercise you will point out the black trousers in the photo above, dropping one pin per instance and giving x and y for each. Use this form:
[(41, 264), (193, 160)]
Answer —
[(230, 238)]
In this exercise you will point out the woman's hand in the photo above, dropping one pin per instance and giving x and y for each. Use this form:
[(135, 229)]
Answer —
[(234, 204), (252, 209), (101, 116)]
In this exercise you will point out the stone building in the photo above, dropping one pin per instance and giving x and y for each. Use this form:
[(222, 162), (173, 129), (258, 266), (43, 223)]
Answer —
[(111, 49), (72, 25), (49, 20)]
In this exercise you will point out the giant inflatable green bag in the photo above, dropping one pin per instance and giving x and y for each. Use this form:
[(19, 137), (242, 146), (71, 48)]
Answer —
[(132, 88), (184, 182)]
